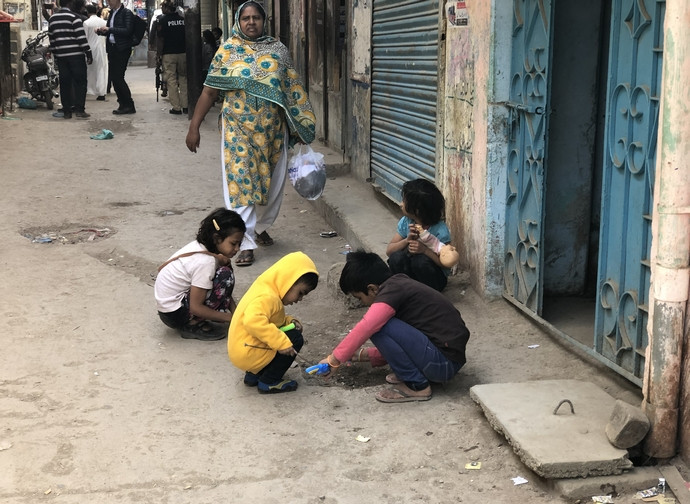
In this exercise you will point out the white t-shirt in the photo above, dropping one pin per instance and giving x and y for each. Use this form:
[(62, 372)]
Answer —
[(178, 277)]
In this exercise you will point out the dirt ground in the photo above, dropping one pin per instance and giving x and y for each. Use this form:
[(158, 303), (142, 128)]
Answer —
[(101, 403)]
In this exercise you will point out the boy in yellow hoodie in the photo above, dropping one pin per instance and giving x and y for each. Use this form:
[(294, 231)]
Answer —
[(256, 344)]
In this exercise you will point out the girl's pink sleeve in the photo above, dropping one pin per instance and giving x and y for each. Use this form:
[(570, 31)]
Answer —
[(374, 319)]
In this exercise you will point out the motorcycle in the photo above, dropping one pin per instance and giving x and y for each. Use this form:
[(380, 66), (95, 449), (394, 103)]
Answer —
[(41, 79)]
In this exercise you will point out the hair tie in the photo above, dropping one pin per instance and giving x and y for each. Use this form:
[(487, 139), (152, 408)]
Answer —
[(215, 225)]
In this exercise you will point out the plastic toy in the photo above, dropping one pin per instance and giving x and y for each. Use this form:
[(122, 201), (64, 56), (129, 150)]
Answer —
[(319, 369), (288, 327)]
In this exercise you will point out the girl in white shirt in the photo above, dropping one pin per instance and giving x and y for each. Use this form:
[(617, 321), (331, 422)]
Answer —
[(194, 287)]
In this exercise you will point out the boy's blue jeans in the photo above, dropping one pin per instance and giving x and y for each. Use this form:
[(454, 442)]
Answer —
[(412, 356)]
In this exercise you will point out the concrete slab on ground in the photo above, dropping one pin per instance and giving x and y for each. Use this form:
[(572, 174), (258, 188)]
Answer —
[(553, 444)]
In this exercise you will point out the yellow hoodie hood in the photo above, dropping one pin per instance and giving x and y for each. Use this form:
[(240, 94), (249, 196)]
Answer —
[(254, 336), (284, 273)]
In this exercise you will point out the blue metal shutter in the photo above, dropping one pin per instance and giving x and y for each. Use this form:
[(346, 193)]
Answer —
[(403, 92)]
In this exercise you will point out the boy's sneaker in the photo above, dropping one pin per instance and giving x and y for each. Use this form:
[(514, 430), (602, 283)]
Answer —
[(250, 379), (276, 388)]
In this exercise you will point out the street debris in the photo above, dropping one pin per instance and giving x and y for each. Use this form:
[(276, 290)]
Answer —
[(362, 439), (519, 480), (5, 445), (605, 499), (532, 346), (473, 465), (650, 492), (63, 237), (26, 103), (105, 134)]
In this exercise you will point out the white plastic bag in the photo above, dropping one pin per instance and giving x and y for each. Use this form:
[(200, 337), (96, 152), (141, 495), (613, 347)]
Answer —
[(307, 172)]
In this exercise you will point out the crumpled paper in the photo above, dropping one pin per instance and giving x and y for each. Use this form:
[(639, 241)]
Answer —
[(105, 134)]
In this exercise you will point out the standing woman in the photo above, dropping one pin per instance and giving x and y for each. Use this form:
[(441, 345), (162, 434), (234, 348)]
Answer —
[(265, 111)]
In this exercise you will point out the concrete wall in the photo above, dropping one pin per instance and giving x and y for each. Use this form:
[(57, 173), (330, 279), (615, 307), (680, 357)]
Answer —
[(477, 64), (359, 93)]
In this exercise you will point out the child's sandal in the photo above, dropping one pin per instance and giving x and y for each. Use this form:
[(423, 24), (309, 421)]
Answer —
[(202, 331), (276, 388)]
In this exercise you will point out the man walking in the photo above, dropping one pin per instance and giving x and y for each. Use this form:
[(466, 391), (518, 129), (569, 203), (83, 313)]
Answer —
[(118, 45), (171, 31), (69, 46), (97, 73)]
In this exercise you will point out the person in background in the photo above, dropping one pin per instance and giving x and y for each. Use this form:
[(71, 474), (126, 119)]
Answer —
[(156, 44), (265, 111), (218, 35), (72, 53), (97, 72), (171, 33), (118, 45), (208, 49)]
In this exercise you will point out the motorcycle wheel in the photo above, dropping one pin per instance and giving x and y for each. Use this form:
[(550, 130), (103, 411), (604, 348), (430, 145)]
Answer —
[(48, 97)]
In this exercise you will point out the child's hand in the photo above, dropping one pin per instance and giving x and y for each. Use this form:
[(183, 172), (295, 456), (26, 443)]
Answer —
[(416, 247), (330, 369), (298, 324), (288, 351), (413, 233)]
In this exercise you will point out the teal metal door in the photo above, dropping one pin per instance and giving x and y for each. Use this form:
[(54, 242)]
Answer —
[(632, 111), (526, 157)]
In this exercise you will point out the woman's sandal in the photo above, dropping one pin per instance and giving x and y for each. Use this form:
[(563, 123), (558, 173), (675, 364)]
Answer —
[(264, 239), (399, 395), (245, 258)]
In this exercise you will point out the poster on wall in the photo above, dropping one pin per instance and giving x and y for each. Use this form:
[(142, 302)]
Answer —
[(456, 12), (17, 10)]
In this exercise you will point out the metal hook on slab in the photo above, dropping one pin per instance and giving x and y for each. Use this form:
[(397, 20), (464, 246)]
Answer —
[(572, 409)]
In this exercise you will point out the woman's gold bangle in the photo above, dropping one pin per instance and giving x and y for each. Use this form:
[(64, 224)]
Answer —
[(330, 361)]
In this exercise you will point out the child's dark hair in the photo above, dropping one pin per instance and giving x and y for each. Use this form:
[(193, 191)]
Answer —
[(310, 279), (219, 224), (361, 269), (423, 200)]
